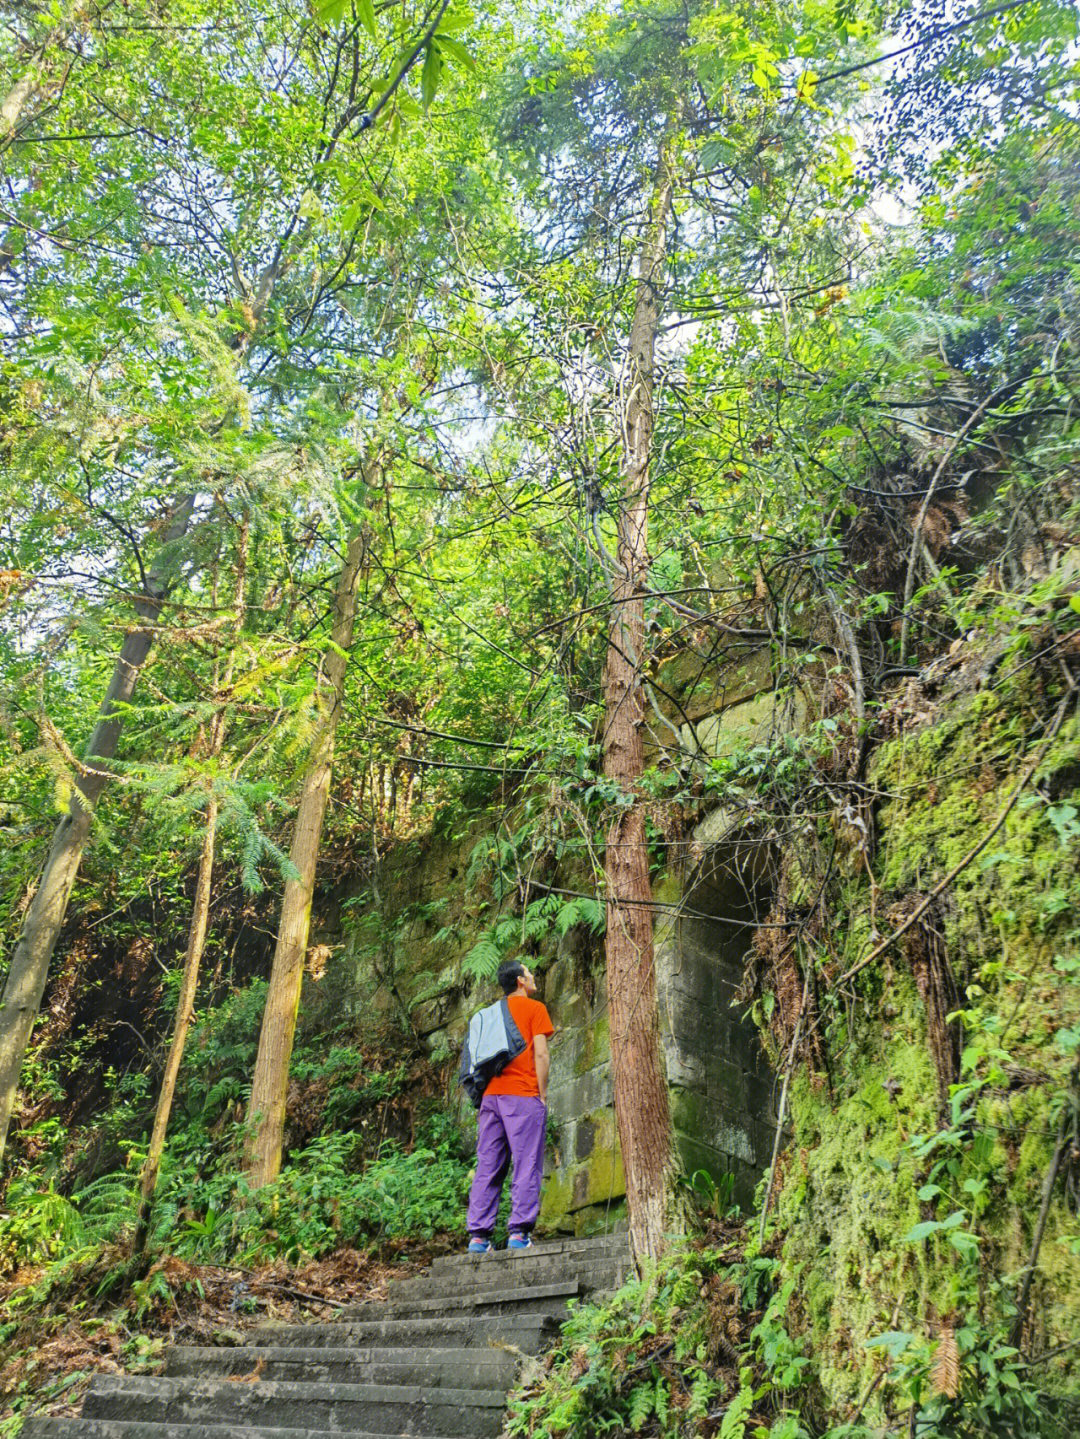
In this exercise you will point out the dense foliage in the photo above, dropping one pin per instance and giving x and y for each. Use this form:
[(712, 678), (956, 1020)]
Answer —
[(298, 292)]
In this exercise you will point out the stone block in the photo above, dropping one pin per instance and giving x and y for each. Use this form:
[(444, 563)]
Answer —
[(582, 1093)]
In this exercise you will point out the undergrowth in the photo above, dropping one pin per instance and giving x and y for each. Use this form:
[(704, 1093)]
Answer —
[(704, 1345), (374, 1158)]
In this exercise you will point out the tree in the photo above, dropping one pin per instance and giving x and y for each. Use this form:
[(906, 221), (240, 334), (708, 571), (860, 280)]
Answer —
[(641, 1096), (647, 136), (221, 294), (270, 1081), (200, 917), (29, 965)]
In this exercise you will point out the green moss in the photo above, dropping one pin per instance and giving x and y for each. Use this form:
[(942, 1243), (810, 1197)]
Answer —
[(555, 1200), (689, 1111), (605, 1178), (848, 1194), (597, 1180), (595, 1046)]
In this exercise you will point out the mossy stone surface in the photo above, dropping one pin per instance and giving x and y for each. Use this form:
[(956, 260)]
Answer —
[(848, 1194)]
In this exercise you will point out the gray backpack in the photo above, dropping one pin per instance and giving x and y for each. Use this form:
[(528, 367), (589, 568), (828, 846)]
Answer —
[(491, 1042)]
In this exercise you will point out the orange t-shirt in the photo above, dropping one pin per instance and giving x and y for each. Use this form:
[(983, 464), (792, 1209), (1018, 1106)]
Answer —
[(519, 1076)]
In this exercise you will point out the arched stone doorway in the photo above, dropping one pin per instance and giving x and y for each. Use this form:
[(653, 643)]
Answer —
[(721, 1085)]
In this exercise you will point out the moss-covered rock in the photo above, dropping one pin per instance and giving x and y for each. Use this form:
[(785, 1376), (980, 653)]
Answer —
[(876, 1159)]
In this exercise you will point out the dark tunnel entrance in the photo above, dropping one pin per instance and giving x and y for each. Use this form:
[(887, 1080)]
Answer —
[(721, 1083)]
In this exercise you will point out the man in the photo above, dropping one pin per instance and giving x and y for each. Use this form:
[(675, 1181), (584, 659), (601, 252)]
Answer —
[(512, 1121)]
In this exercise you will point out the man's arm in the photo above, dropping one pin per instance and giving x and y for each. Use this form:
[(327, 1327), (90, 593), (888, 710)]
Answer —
[(542, 1058)]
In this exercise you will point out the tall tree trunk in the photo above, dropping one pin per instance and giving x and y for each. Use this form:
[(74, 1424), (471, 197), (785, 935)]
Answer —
[(200, 918), (642, 1110), (270, 1082), (45, 917)]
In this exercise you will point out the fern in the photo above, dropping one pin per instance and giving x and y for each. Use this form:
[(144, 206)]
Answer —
[(106, 1206), (580, 910), (662, 1401), (905, 333), (702, 1392), (593, 914), (506, 933), (735, 1417), (483, 960), (640, 1405)]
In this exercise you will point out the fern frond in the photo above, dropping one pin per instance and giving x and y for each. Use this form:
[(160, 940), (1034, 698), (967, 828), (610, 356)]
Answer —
[(735, 1417), (483, 960), (641, 1403)]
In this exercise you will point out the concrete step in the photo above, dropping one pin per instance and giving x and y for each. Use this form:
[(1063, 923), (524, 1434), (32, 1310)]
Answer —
[(572, 1249), (476, 1368), (527, 1332), (80, 1428), (268, 1403), (532, 1300), (435, 1359), (526, 1272)]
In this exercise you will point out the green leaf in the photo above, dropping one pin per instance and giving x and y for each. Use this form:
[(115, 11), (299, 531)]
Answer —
[(567, 917), (455, 50), (1074, 603), (452, 21), (714, 153), (895, 1341), (365, 13), (921, 1231), (965, 1244), (733, 1425), (429, 80), (330, 12), (804, 88)]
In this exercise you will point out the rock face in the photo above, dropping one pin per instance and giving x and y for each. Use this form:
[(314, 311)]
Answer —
[(852, 1201), (431, 910), (437, 1358), (721, 1084)]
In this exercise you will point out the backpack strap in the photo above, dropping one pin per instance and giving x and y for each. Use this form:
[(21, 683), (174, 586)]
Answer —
[(515, 1040)]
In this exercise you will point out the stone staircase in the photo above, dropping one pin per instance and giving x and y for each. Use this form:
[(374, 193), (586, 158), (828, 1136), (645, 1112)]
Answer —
[(435, 1359)]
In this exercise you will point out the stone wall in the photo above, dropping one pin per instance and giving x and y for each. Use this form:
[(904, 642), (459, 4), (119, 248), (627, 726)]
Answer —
[(405, 953)]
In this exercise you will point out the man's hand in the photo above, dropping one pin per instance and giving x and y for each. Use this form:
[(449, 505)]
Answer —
[(542, 1059)]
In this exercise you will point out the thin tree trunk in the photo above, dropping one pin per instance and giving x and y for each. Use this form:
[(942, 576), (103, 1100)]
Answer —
[(200, 917), (270, 1082), (642, 1110), (30, 962), (37, 78)]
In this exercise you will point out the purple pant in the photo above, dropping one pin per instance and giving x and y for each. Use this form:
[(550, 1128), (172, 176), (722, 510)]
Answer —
[(509, 1128)]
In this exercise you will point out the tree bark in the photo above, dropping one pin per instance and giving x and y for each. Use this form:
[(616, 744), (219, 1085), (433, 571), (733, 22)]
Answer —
[(270, 1082), (642, 1110), (30, 962), (200, 918)]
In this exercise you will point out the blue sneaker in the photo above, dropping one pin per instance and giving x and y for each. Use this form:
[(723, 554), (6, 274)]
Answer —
[(479, 1246), (519, 1241)]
